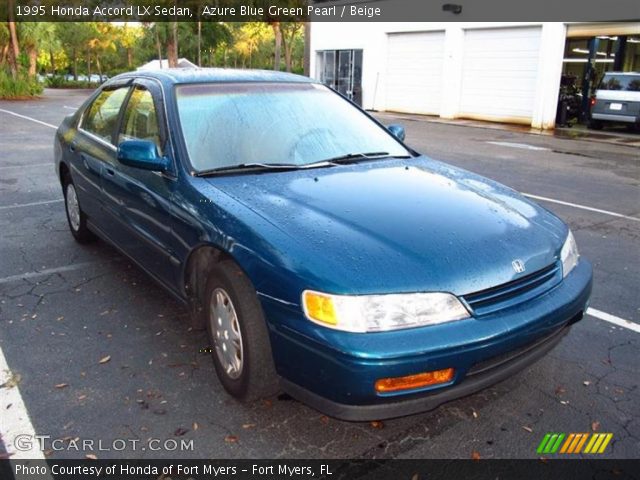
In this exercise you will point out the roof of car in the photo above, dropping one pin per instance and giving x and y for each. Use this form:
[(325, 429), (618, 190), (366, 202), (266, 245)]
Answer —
[(202, 75)]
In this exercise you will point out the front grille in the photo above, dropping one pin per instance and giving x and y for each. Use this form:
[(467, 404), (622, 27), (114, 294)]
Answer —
[(514, 292)]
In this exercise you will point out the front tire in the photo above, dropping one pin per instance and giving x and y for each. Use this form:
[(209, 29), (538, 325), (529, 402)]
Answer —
[(238, 335), (75, 216)]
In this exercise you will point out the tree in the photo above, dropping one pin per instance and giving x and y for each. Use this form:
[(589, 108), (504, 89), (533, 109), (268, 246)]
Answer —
[(14, 46), (290, 31), (128, 37), (277, 32), (4, 43), (74, 37), (33, 37)]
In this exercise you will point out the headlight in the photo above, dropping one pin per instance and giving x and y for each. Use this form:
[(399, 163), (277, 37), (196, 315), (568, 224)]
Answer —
[(376, 313), (569, 254)]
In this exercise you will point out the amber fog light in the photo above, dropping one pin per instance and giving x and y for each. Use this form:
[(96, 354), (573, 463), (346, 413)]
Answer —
[(411, 382)]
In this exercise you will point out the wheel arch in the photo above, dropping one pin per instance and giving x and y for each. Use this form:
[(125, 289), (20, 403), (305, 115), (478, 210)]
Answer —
[(63, 172), (195, 274)]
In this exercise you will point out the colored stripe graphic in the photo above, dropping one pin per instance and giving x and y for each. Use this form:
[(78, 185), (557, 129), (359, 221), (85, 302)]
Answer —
[(543, 443), (567, 443), (574, 443), (598, 443), (550, 443)]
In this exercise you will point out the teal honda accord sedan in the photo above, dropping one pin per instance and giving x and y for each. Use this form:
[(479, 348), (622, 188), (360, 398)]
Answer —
[(323, 256)]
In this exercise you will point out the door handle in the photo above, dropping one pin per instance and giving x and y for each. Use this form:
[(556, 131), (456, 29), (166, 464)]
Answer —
[(110, 171), (72, 146)]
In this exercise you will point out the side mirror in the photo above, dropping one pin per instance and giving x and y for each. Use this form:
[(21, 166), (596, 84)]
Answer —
[(397, 131), (142, 154)]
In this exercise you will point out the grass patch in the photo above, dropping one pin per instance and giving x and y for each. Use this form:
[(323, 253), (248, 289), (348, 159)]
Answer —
[(18, 88)]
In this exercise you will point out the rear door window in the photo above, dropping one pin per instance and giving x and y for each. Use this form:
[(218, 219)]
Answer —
[(102, 116), (630, 83)]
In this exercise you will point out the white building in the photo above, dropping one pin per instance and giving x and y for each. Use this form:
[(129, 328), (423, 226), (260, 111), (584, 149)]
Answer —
[(503, 72), (164, 63)]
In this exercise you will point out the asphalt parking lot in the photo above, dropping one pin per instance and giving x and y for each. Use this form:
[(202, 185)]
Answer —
[(98, 352)]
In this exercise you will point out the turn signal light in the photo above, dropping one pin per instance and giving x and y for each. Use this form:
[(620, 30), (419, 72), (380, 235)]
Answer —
[(320, 307), (592, 101), (411, 382)]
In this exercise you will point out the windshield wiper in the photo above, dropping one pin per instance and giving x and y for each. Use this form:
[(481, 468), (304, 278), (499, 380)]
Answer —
[(246, 167), (359, 157)]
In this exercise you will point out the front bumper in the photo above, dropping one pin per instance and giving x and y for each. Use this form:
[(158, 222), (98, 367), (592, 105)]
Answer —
[(335, 372)]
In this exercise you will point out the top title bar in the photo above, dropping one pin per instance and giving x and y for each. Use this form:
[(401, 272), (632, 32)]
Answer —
[(318, 10)]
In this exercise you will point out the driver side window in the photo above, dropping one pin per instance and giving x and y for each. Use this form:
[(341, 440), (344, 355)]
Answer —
[(140, 119)]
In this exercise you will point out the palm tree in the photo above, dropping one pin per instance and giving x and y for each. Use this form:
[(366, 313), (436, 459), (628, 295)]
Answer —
[(14, 46)]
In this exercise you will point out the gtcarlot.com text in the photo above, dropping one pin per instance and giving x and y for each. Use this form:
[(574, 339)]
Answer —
[(26, 442)]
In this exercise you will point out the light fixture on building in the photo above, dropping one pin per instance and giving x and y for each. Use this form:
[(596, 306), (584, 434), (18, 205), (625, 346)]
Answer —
[(452, 7)]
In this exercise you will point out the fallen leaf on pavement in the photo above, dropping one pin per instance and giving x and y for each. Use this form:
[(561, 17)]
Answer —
[(62, 385), (528, 429), (231, 439), (105, 359), (377, 424), (475, 455), (180, 432), (595, 426)]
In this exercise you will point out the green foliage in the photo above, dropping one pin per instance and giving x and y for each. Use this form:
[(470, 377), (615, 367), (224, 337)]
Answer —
[(20, 87), (58, 81), (84, 48)]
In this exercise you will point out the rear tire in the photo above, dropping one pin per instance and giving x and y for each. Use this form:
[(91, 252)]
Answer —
[(238, 334), (75, 216)]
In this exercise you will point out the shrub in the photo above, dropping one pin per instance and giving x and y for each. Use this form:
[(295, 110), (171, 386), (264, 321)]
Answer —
[(59, 81), (19, 87)]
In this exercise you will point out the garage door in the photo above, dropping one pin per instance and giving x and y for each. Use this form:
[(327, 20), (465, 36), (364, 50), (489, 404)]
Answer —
[(414, 72), (499, 73)]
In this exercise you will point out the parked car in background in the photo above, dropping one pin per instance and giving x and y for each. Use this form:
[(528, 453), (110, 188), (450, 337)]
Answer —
[(323, 255), (617, 100)]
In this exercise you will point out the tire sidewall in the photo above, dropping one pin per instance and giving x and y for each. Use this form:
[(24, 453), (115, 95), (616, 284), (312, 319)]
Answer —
[(245, 308), (68, 183), (82, 234)]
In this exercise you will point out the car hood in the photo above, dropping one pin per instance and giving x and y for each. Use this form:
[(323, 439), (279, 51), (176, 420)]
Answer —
[(399, 226)]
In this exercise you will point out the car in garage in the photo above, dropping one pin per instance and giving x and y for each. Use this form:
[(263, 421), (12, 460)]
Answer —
[(323, 256), (616, 101)]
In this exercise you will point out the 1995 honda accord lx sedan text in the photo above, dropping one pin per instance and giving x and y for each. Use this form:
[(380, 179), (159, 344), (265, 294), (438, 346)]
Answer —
[(324, 256)]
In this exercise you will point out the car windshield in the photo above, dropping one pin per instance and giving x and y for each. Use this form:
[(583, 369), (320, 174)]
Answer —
[(620, 82), (233, 124)]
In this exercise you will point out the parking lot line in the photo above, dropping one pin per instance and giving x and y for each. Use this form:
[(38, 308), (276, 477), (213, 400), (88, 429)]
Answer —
[(48, 271), (607, 317), (31, 204), (582, 207), (524, 146), (15, 421), (26, 165), (28, 118)]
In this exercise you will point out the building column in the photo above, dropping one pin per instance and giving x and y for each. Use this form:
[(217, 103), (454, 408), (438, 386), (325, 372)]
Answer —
[(552, 43), (452, 71)]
